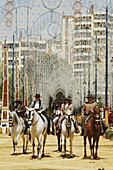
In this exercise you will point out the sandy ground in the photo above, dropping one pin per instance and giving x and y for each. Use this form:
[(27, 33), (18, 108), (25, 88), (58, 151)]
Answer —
[(54, 160)]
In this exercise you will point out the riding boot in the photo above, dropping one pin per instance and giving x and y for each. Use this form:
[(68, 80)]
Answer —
[(76, 128), (105, 127), (82, 133)]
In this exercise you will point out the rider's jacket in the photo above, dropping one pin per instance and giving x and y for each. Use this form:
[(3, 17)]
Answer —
[(65, 107), (20, 110), (38, 105), (88, 106)]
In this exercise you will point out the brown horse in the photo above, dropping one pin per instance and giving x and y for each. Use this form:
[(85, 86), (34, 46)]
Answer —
[(56, 131), (92, 131)]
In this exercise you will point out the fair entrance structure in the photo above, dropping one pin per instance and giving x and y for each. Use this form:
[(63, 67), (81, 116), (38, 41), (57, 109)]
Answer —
[(56, 78)]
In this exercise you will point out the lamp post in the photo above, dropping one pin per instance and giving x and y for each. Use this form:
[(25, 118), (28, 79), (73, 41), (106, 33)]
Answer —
[(13, 73), (97, 60), (112, 81), (106, 84)]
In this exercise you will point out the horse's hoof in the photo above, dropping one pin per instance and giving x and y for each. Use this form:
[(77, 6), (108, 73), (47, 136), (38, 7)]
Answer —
[(39, 158), (71, 156), (85, 156), (58, 151), (92, 158), (95, 156), (24, 152), (43, 155), (33, 156), (14, 153), (64, 155)]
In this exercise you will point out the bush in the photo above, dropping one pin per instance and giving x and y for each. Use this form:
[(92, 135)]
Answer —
[(110, 132)]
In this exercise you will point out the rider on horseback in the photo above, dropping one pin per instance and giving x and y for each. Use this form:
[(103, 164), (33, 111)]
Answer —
[(88, 108), (68, 106), (20, 110), (57, 113), (38, 105)]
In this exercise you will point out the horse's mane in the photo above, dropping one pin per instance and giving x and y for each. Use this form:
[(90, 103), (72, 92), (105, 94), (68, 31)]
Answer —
[(15, 117)]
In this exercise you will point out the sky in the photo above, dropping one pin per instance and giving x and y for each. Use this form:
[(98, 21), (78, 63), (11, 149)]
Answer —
[(13, 19)]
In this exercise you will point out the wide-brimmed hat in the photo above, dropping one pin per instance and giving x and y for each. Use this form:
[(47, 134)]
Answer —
[(90, 96), (37, 95), (17, 101)]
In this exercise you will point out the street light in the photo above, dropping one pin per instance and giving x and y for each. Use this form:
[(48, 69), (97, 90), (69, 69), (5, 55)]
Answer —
[(112, 81), (97, 60)]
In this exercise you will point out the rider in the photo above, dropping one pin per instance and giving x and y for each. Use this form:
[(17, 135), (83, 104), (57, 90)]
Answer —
[(38, 105), (87, 109), (57, 113), (67, 105), (20, 110)]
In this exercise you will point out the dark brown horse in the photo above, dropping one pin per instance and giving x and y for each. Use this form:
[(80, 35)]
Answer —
[(92, 132), (56, 131)]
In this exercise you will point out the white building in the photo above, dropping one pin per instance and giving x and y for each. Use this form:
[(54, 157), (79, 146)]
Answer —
[(82, 43)]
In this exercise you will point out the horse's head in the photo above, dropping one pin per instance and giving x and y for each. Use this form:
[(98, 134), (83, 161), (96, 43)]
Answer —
[(15, 117), (68, 118), (31, 112)]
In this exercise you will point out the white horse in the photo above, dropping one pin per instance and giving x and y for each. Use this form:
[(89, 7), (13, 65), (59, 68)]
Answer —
[(38, 129), (67, 132), (17, 129)]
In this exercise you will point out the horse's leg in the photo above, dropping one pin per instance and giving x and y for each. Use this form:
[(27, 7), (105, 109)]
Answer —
[(25, 143), (23, 137), (27, 139), (15, 142), (63, 146), (85, 154), (39, 147), (93, 146), (95, 156), (71, 155), (44, 141), (33, 145), (90, 147), (58, 137)]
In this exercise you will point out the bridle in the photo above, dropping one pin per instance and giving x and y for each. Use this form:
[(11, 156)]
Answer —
[(36, 121), (97, 119)]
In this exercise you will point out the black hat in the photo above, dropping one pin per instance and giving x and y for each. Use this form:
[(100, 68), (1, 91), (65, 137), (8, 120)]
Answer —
[(89, 95), (37, 95), (17, 101), (68, 98)]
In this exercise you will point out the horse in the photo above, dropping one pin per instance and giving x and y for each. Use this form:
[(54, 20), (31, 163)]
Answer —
[(57, 132), (92, 132), (38, 128), (17, 129), (68, 130)]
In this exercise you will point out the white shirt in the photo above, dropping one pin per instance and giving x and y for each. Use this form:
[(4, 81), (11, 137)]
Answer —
[(57, 112), (36, 105)]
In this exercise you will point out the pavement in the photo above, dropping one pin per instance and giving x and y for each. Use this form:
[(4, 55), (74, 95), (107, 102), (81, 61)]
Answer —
[(53, 159)]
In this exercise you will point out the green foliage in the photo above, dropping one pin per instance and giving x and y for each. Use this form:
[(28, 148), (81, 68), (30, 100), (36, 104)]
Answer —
[(110, 132)]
